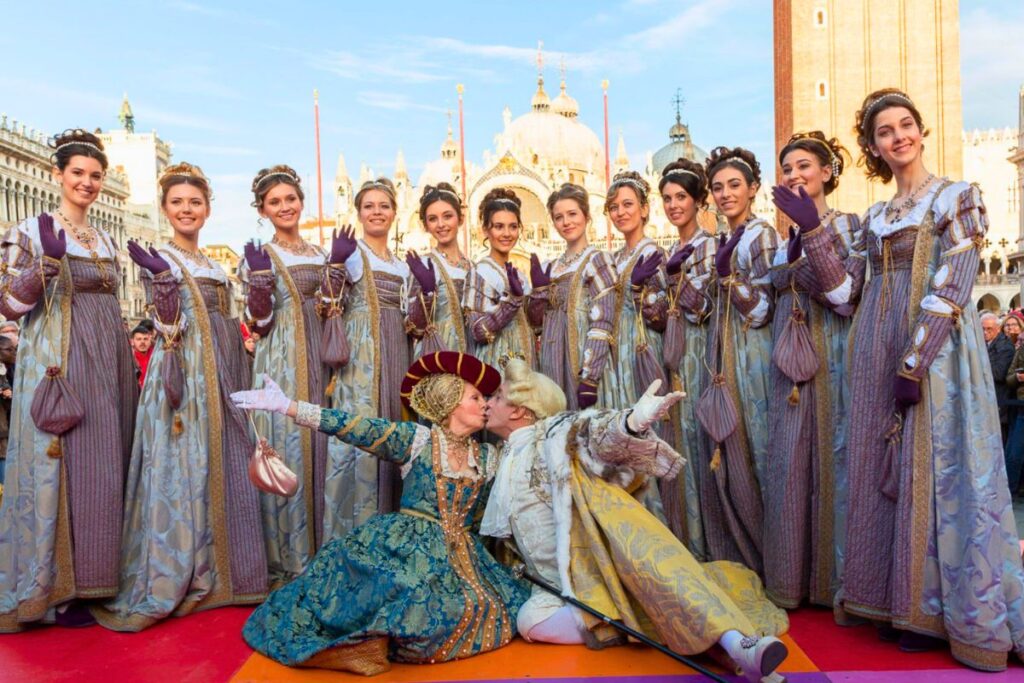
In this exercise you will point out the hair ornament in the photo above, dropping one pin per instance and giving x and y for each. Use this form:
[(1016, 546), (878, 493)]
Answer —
[(632, 182), (878, 100), (504, 201), (679, 172), (832, 156), (77, 143), (273, 174)]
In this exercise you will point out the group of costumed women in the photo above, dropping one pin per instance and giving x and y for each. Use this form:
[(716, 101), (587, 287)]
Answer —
[(827, 426)]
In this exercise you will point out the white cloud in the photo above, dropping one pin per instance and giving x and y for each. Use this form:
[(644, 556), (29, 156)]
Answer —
[(216, 150), (372, 68)]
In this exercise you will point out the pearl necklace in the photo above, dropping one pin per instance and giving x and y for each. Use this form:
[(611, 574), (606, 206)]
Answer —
[(462, 261), (564, 262)]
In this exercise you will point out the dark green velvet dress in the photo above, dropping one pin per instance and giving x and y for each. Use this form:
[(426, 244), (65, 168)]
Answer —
[(419, 578)]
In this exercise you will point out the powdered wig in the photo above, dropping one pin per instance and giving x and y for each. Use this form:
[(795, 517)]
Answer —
[(528, 389)]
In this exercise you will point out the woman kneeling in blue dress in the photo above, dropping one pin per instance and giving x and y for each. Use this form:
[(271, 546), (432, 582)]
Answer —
[(412, 586)]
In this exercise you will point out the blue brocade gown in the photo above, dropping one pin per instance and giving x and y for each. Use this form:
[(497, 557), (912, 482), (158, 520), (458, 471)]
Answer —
[(417, 582)]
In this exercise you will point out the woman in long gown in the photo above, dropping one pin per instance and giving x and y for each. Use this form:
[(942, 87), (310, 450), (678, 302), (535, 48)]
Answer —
[(805, 495), (495, 290), (439, 278), (192, 536), (684, 191), (411, 586), (640, 290), (60, 522), (572, 303), (931, 543), (289, 285), (739, 355), (358, 484)]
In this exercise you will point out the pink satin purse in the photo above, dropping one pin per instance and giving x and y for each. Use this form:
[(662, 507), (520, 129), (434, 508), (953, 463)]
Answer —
[(267, 470)]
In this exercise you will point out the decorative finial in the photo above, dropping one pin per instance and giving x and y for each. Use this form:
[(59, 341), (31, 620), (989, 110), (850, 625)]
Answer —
[(316, 94), (561, 68), (679, 101), (459, 88), (540, 59), (449, 114), (604, 85)]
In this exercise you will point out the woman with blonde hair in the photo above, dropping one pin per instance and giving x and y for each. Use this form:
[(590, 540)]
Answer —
[(358, 484), (192, 445)]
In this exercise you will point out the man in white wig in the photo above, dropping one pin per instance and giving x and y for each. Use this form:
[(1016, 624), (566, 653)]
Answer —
[(563, 493)]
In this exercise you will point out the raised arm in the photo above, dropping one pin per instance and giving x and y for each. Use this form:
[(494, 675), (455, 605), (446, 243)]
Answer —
[(489, 311), (257, 276)]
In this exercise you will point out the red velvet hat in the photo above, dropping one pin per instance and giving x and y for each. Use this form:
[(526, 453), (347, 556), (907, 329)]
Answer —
[(472, 369)]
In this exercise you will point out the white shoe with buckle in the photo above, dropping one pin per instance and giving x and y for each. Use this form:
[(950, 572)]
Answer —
[(760, 657)]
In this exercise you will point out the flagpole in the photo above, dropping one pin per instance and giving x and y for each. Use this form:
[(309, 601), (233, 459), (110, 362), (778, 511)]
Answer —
[(607, 161), (319, 173), (462, 162)]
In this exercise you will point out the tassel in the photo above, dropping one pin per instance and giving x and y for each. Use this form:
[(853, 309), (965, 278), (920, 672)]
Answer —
[(330, 385), (177, 427), (716, 459), (54, 450), (794, 396)]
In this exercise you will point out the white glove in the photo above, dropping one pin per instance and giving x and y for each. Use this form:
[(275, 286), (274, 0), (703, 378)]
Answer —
[(650, 408), (270, 397)]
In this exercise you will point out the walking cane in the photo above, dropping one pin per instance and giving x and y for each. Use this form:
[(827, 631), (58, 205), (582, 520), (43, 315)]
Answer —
[(519, 571)]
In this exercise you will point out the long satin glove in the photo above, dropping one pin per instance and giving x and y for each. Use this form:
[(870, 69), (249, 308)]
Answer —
[(270, 397), (650, 407)]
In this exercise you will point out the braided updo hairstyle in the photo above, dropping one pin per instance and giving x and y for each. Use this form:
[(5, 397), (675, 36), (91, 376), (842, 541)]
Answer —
[(442, 192), (76, 142), (184, 173), (743, 160), (269, 178), (499, 199), (873, 105)]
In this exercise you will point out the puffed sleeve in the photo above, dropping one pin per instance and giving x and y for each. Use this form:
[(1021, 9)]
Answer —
[(960, 231)]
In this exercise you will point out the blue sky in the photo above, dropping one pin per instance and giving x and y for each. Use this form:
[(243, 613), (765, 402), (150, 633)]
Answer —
[(230, 84)]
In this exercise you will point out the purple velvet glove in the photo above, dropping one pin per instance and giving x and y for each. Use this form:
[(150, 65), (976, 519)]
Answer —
[(343, 244), (539, 277), (723, 257), (906, 391), (423, 274), (675, 264), (54, 245), (800, 208), (644, 269), (515, 285), (795, 245), (257, 259), (150, 260), (586, 394)]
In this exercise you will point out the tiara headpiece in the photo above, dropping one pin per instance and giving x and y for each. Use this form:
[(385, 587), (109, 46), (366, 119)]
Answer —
[(678, 172), (878, 100), (505, 201), (274, 174), (632, 182), (833, 157), (77, 143)]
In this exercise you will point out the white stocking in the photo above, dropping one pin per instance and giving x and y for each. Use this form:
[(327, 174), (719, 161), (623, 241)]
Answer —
[(560, 628)]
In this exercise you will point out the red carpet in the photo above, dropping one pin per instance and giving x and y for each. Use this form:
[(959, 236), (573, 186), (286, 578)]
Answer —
[(208, 648), (200, 648)]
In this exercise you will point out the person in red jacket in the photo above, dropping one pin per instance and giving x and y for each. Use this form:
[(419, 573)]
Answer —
[(142, 348)]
